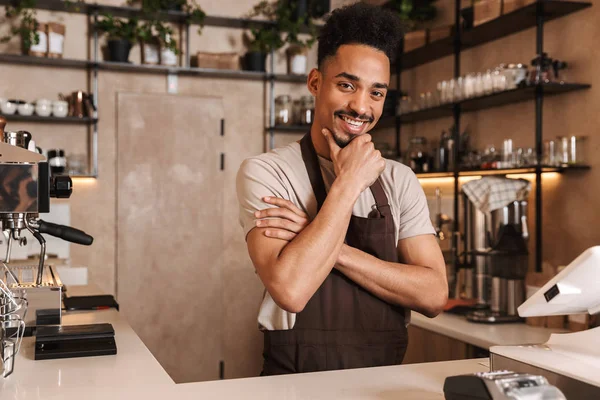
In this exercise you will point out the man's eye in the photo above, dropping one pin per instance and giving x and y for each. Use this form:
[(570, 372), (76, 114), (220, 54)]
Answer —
[(345, 85), (379, 94)]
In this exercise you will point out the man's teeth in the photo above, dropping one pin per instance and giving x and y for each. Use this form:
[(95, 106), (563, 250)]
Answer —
[(353, 121)]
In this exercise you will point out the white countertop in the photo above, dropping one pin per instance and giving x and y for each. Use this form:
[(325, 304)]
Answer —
[(483, 335), (133, 365), (135, 373)]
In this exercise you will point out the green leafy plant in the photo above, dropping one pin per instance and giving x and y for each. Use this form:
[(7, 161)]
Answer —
[(413, 13), (118, 29), (27, 28), (153, 8), (146, 33), (73, 5), (286, 27), (264, 40), (165, 37)]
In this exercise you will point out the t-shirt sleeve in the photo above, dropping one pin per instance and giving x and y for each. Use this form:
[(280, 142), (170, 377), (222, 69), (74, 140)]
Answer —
[(255, 180), (414, 212)]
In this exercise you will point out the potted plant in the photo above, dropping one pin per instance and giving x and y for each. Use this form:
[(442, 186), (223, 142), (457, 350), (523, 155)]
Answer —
[(288, 20), (293, 20), (262, 42), (34, 38), (28, 26), (121, 34), (168, 54), (413, 13), (152, 9), (149, 43)]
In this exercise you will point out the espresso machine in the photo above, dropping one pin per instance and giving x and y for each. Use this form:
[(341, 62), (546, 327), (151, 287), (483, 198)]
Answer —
[(496, 257), (29, 295)]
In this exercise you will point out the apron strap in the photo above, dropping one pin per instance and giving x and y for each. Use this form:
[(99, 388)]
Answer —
[(311, 161), (381, 200)]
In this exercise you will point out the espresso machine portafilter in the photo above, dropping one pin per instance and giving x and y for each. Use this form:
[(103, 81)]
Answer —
[(26, 186)]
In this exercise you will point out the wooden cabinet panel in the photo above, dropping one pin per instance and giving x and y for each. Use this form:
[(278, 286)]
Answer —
[(427, 346), (170, 229)]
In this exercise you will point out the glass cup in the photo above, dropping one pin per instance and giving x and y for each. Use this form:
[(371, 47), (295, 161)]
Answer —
[(488, 83), (550, 157), (572, 149)]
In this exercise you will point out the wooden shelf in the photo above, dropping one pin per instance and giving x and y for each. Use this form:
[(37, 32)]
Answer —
[(505, 171), (289, 78), (84, 176), (54, 120), (150, 69), (484, 102), (165, 69), (45, 61), (505, 25)]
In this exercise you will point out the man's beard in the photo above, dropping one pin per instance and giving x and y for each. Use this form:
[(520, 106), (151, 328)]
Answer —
[(342, 142)]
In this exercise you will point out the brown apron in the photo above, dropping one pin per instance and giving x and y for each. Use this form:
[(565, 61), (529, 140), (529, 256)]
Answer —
[(343, 325)]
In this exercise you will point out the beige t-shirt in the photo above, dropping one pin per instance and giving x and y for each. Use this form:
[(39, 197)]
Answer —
[(282, 173)]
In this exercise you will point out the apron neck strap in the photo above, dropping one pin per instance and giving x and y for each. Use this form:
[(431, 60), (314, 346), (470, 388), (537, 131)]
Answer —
[(311, 161), (313, 167)]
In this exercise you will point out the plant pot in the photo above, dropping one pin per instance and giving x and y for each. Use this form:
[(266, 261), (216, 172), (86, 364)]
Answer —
[(150, 53), (168, 57), (297, 60), (255, 61), (118, 50), (40, 49)]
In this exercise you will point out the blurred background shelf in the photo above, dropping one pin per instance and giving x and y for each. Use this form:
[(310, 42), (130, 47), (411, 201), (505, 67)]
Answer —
[(518, 95), (54, 120), (505, 25), (504, 171)]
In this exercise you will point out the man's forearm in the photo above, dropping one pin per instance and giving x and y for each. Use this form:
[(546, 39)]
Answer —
[(419, 288), (305, 262)]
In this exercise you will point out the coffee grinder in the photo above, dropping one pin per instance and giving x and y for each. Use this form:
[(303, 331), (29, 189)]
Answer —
[(496, 252)]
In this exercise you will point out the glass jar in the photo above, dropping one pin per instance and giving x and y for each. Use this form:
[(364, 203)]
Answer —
[(469, 86), (514, 73), (405, 105), (572, 150), (283, 110), (307, 110), (77, 164), (418, 155)]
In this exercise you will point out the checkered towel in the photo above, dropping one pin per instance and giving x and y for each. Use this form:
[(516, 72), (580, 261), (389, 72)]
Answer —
[(491, 193)]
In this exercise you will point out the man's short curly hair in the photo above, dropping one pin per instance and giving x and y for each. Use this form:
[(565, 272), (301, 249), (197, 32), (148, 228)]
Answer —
[(360, 23)]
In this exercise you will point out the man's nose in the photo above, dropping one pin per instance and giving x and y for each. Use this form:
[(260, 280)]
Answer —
[(360, 103)]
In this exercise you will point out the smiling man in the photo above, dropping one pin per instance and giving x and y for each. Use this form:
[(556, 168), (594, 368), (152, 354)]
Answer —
[(340, 237)]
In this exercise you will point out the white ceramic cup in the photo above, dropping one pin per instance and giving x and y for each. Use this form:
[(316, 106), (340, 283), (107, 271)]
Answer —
[(26, 109), (43, 107), (9, 108), (60, 108)]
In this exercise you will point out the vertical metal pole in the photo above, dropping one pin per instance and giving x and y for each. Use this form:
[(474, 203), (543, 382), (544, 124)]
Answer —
[(272, 102), (399, 98), (94, 144), (456, 112), (539, 102), (187, 45)]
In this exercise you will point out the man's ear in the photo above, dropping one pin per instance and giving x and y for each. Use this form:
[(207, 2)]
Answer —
[(314, 81)]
